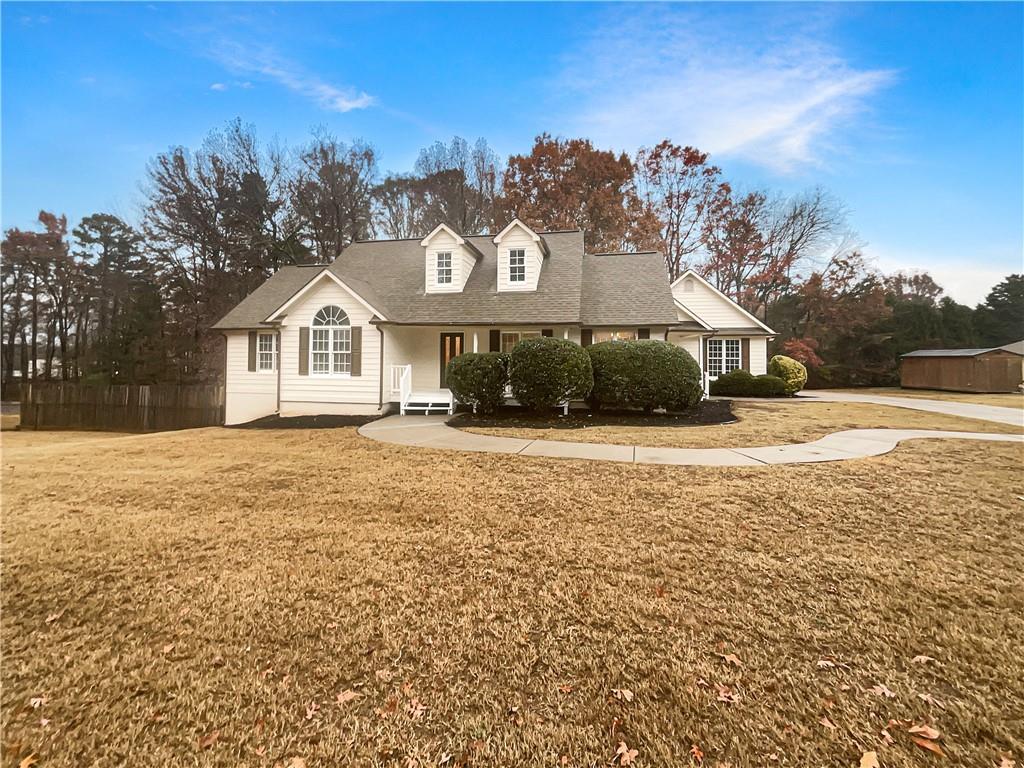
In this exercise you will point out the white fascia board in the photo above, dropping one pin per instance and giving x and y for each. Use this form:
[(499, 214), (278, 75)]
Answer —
[(305, 289), (691, 273)]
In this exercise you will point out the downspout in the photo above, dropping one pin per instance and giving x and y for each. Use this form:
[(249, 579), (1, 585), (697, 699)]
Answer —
[(280, 354)]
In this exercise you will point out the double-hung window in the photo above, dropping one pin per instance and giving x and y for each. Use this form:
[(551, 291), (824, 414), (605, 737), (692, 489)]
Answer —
[(510, 338), (330, 347), (723, 356), (517, 265), (266, 352), (444, 267)]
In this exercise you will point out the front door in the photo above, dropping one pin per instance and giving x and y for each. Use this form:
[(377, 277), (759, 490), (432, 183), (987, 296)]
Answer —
[(451, 346)]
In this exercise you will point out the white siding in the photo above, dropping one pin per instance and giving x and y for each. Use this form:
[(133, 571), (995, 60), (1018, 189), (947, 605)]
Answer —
[(690, 343), (515, 238), (758, 355), (710, 307), (462, 264), (248, 395), (328, 394)]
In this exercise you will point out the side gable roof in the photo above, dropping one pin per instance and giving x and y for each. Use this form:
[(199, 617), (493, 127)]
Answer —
[(275, 291), (756, 324), (626, 289)]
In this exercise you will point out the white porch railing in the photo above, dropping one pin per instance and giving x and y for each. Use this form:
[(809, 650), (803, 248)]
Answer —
[(404, 385), (396, 378)]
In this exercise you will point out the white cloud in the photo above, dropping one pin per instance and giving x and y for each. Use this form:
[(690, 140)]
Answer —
[(268, 64), (965, 281), (218, 87), (733, 85)]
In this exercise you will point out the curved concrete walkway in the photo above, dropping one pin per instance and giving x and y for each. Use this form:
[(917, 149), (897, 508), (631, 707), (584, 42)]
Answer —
[(433, 432)]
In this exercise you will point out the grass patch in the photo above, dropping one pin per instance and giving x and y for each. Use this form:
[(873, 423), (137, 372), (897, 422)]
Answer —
[(1005, 400), (757, 424), (203, 597)]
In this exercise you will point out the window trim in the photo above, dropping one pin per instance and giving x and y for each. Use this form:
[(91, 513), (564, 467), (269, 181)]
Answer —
[(520, 335), (274, 352), (440, 270), (334, 330), (521, 266), (599, 331)]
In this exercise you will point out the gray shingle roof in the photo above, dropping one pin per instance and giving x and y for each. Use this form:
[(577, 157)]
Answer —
[(627, 289), (955, 352)]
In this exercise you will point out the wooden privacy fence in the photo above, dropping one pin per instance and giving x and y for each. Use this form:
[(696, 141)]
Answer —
[(121, 407)]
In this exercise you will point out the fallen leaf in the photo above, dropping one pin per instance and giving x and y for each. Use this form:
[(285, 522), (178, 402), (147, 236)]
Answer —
[(660, 590), (869, 760), (924, 730), (929, 699), (416, 709), (37, 702), (29, 761), (726, 695), (882, 690), (624, 755), (827, 723), (731, 658), (167, 648), (406, 688), (1005, 761), (697, 754), (826, 664), (931, 746), (622, 694), (296, 762), (921, 659), (311, 710), (346, 696), (565, 688), (209, 740), (887, 737), (54, 616)]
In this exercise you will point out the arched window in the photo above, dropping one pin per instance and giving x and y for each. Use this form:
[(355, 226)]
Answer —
[(330, 348)]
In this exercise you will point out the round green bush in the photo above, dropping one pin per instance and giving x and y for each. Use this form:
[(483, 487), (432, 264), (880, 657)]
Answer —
[(643, 374), (792, 372), (545, 372), (740, 383), (478, 379)]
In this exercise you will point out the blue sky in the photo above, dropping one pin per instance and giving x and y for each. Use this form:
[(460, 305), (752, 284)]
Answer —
[(912, 114)]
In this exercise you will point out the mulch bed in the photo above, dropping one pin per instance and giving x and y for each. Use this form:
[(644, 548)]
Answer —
[(305, 422), (707, 412)]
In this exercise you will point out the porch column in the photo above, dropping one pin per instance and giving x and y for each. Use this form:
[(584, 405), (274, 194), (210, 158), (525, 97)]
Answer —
[(474, 341), (565, 334)]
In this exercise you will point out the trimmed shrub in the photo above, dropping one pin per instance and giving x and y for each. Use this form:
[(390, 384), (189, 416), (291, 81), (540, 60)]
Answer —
[(643, 374), (792, 372), (478, 379), (740, 383), (545, 372)]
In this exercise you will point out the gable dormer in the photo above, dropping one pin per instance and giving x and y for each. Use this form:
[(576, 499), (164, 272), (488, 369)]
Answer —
[(448, 260), (521, 253)]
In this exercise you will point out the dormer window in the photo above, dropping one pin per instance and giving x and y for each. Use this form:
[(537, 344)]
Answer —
[(444, 267), (517, 265)]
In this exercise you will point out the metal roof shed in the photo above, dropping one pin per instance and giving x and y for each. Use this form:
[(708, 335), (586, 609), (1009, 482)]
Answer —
[(993, 369)]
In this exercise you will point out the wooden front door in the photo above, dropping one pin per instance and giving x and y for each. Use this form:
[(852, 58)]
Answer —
[(452, 345)]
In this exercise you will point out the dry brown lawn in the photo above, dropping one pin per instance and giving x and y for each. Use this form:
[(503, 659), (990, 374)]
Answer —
[(758, 423), (239, 598), (1006, 400)]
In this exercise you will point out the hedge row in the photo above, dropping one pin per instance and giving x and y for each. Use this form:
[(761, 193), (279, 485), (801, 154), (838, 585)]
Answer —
[(740, 383), (545, 372)]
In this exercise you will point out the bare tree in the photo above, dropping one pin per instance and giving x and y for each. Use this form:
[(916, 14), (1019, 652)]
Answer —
[(460, 185), (400, 207)]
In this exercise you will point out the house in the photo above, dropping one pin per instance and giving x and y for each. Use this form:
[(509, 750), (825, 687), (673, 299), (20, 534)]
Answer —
[(995, 369), (375, 329)]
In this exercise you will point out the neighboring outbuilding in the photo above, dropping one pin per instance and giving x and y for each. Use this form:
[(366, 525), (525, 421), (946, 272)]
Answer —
[(995, 369)]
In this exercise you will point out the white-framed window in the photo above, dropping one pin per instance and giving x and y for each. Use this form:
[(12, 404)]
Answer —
[(444, 267), (330, 343), (266, 352), (615, 334), (517, 265), (723, 356), (510, 338)]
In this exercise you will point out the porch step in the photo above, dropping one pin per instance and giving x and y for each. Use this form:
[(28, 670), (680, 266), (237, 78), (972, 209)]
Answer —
[(429, 402)]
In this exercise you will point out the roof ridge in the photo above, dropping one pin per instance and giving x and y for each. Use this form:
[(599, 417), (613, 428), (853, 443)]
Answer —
[(625, 253), (479, 234)]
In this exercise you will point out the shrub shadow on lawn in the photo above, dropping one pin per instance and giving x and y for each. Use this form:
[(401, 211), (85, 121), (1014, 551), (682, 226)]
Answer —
[(705, 413)]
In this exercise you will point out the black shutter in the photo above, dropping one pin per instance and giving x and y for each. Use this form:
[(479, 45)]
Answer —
[(356, 369), (643, 333), (547, 332), (253, 336), (586, 337), (304, 351), (495, 341)]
